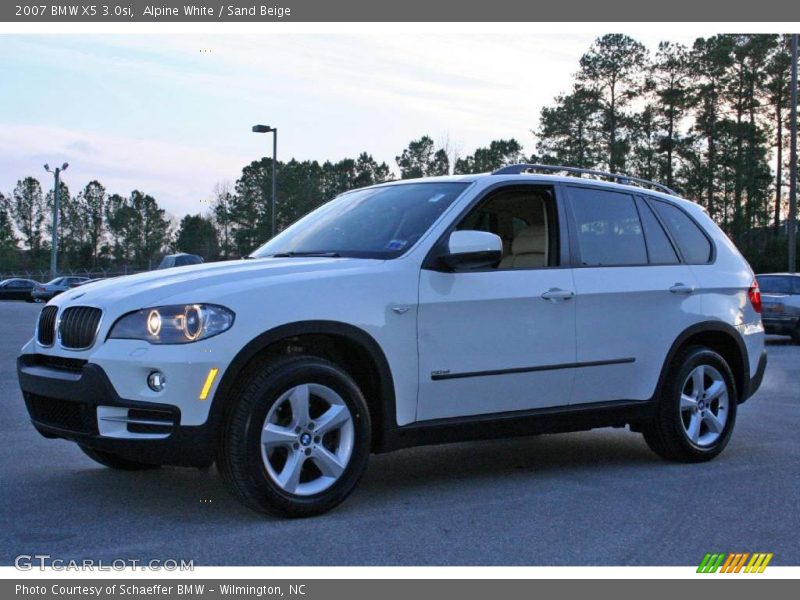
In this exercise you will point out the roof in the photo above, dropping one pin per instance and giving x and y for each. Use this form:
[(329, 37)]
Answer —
[(537, 177)]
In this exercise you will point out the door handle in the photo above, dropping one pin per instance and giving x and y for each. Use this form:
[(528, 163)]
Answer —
[(681, 288), (555, 294)]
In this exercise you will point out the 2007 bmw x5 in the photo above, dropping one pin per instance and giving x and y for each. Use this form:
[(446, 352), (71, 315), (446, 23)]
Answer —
[(411, 313)]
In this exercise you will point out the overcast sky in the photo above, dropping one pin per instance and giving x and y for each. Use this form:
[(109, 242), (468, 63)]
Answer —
[(171, 114)]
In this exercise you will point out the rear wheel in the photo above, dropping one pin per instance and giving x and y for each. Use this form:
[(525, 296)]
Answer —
[(297, 438), (696, 410), (108, 459), (796, 335)]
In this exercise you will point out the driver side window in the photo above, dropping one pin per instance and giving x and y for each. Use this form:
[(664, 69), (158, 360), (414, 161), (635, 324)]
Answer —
[(525, 220)]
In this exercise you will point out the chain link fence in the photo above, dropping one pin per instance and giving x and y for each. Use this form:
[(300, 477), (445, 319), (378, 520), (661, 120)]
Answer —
[(44, 275)]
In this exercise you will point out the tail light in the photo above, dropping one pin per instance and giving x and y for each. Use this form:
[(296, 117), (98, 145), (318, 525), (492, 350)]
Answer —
[(754, 293)]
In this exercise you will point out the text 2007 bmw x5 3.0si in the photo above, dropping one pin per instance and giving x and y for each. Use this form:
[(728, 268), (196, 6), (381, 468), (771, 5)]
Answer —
[(410, 313)]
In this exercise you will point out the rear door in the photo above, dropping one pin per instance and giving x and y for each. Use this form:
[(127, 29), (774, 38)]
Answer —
[(634, 294)]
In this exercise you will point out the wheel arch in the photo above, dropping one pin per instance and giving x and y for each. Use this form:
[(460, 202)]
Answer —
[(723, 339), (351, 347)]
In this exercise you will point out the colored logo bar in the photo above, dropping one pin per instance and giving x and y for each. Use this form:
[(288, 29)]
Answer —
[(735, 562)]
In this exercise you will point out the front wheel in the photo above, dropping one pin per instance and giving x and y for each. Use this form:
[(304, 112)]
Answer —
[(297, 438), (696, 409)]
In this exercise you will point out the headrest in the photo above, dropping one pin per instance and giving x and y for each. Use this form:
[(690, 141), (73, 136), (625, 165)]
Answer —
[(531, 240)]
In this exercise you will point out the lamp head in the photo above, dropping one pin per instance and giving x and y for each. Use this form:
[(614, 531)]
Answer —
[(261, 128)]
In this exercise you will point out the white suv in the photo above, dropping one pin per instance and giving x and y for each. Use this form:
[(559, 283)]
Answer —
[(408, 313)]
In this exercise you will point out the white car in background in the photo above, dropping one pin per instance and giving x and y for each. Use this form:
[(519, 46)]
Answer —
[(408, 313)]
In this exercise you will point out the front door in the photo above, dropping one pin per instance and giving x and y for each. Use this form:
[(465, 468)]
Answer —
[(502, 339)]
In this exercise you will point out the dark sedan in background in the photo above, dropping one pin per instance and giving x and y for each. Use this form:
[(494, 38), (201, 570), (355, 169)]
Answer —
[(17, 289), (780, 300), (45, 291)]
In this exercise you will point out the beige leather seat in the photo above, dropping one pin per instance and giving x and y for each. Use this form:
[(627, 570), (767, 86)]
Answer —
[(528, 249)]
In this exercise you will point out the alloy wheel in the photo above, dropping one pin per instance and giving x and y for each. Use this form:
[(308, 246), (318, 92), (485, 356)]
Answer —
[(307, 439), (704, 405)]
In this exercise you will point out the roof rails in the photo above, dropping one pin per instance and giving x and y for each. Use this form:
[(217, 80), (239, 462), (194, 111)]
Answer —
[(619, 177)]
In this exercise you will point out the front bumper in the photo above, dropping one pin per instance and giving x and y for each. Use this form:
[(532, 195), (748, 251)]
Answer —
[(44, 294), (76, 401)]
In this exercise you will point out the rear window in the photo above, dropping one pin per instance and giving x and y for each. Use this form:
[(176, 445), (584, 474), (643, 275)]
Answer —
[(775, 285), (692, 242), (659, 248), (608, 228)]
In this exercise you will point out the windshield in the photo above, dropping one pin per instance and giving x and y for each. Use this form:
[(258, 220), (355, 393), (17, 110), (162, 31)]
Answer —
[(379, 222)]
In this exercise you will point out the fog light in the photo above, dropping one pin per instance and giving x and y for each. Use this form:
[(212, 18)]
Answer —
[(156, 381)]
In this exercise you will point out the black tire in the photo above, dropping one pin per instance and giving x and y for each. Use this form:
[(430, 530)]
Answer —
[(665, 434), (796, 335), (239, 453), (108, 459)]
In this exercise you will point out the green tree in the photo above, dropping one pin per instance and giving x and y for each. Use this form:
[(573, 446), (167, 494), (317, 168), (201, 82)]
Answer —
[(498, 154), (422, 159), (778, 95), (9, 252), (220, 209), (152, 227), (613, 69), (369, 171), (138, 227), (250, 208), (644, 159), (28, 211), (569, 133), (710, 62), (197, 235), (671, 76), (121, 224), (91, 203)]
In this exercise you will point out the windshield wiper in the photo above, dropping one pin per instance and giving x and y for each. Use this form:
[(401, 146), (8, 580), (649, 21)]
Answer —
[(293, 254)]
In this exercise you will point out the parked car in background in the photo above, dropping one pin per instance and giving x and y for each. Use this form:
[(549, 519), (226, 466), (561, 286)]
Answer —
[(16, 289), (42, 292), (181, 259), (780, 297), (89, 281)]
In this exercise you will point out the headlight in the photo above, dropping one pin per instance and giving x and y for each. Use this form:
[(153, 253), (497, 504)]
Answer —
[(174, 324)]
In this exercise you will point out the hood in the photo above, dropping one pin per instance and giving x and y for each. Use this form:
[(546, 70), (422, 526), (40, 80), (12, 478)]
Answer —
[(202, 283)]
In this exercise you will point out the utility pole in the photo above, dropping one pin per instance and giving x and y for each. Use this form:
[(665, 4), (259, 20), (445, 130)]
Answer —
[(274, 132), (793, 164), (56, 199)]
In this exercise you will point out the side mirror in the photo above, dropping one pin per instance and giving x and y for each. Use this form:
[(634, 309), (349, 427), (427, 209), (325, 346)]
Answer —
[(468, 250)]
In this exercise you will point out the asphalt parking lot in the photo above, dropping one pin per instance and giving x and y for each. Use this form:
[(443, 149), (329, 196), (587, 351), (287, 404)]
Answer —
[(596, 498)]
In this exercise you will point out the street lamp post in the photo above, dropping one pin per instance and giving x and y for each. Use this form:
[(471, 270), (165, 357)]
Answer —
[(792, 225), (274, 132), (56, 193)]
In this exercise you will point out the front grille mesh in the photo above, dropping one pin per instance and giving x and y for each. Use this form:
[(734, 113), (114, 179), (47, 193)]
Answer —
[(78, 417), (47, 325), (78, 326)]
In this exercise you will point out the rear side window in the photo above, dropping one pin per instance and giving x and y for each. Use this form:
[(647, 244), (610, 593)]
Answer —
[(692, 242), (608, 228), (659, 248), (775, 285)]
